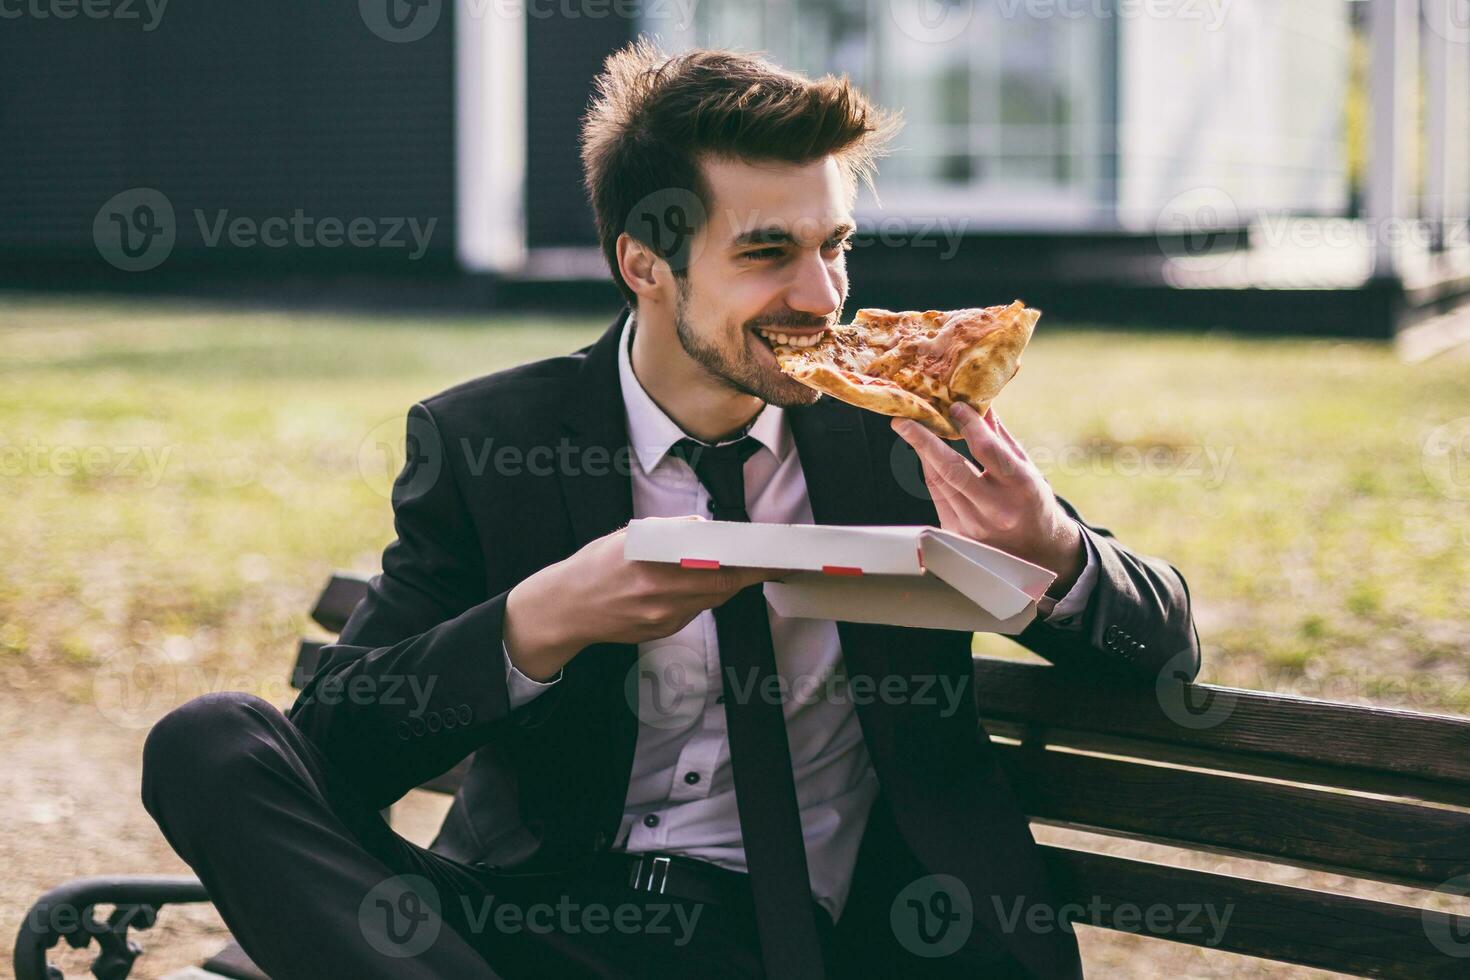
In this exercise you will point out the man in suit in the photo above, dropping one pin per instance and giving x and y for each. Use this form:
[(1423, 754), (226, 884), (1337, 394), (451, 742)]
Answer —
[(639, 802)]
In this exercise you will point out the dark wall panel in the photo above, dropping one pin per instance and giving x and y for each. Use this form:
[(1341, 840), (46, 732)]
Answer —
[(259, 109), (563, 56)]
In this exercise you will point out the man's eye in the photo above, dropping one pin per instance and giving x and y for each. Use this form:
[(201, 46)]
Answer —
[(836, 244), (763, 253)]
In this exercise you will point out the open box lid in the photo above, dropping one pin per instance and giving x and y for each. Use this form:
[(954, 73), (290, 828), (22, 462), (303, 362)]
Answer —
[(904, 575)]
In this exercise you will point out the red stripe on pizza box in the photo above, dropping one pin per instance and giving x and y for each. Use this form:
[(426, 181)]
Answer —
[(841, 570), (698, 563)]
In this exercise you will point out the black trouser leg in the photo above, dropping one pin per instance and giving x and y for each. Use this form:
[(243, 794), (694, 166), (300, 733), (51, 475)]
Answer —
[(311, 881)]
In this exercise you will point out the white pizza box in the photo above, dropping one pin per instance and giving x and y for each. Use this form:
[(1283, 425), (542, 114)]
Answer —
[(898, 575)]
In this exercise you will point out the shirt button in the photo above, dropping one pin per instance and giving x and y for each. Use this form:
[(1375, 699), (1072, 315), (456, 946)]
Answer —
[(691, 778), (651, 820)]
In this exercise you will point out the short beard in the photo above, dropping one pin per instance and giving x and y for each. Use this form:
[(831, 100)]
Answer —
[(737, 372)]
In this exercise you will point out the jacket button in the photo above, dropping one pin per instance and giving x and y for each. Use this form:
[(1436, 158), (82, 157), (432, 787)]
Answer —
[(465, 714), (434, 721), (416, 725), (402, 729)]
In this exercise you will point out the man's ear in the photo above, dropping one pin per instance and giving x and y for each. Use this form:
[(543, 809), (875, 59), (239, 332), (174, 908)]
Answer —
[(643, 271)]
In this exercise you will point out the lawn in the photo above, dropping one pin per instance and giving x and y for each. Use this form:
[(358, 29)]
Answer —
[(177, 482)]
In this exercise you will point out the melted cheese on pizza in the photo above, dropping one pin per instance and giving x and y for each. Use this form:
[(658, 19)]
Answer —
[(916, 364)]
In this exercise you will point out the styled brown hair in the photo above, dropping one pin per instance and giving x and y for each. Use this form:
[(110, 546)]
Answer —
[(653, 116)]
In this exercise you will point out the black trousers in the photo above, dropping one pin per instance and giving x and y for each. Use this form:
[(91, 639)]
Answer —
[(313, 883)]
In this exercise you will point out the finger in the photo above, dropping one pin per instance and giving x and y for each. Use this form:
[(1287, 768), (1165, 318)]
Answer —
[(1005, 433), (936, 454), (951, 479), (984, 442)]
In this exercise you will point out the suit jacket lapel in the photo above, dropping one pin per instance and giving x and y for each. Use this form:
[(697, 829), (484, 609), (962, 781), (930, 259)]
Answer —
[(595, 476)]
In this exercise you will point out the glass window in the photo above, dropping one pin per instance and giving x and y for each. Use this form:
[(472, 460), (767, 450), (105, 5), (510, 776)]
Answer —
[(1003, 110)]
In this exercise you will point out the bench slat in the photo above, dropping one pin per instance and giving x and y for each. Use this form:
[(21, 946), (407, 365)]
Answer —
[(308, 658), (340, 596), (1359, 836), (1433, 748), (1280, 922)]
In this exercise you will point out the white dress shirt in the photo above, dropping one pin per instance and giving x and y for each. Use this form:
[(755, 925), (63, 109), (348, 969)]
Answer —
[(681, 796)]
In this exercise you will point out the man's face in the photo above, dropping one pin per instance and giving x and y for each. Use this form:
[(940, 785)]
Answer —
[(771, 258)]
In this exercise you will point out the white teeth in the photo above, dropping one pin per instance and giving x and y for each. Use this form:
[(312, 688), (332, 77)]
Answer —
[(806, 340)]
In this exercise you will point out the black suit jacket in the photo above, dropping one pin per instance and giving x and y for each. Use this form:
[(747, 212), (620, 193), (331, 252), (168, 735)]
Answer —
[(511, 472)]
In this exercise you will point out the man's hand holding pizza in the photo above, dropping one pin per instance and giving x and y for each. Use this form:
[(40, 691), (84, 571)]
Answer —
[(1006, 504)]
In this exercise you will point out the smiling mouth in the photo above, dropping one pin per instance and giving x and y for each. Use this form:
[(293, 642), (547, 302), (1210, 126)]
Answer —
[(803, 337)]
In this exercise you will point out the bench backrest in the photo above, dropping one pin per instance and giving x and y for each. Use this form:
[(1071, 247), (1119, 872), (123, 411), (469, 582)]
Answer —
[(1359, 791)]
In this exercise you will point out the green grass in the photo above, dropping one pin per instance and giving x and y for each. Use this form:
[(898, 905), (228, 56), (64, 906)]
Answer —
[(177, 482)]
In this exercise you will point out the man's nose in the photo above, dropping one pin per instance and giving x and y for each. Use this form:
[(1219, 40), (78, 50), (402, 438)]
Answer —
[(817, 288)]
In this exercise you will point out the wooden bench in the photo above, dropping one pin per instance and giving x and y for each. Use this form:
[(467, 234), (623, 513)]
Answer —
[(1369, 793)]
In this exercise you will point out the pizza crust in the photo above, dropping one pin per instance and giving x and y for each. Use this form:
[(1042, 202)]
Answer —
[(916, 364)]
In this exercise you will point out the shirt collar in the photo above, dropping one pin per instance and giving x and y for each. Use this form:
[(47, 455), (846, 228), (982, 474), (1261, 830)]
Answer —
[(651, 432)]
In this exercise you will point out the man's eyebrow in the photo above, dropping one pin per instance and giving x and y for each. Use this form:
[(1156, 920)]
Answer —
[(777, 235)]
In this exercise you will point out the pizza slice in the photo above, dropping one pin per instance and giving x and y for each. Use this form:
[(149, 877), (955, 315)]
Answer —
[(916, 365)]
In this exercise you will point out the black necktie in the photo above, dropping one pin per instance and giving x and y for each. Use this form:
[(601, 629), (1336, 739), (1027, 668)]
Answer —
[(760, 756)]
